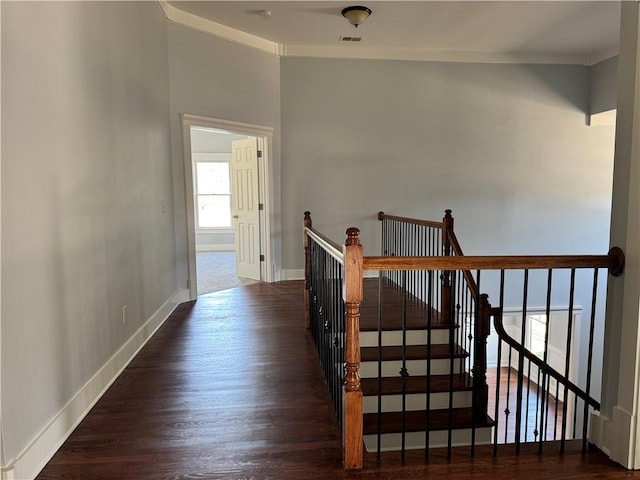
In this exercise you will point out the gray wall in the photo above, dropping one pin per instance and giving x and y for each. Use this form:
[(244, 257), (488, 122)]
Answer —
[(505, 146), (219, 79), (85, 167), (603, 89)]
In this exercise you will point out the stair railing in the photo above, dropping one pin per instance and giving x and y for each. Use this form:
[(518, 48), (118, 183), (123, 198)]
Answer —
[(405, 236), (552, 388), (332, 297)]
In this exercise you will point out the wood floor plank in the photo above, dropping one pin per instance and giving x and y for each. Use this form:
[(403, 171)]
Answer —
[(230, 388)]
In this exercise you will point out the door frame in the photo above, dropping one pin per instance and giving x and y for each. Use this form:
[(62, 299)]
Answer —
[(264, 187)]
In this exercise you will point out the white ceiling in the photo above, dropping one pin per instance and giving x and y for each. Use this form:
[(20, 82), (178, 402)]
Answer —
[(582, 32)]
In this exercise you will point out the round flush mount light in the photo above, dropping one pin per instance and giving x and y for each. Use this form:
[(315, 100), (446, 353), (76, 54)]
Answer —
[(356, 14)]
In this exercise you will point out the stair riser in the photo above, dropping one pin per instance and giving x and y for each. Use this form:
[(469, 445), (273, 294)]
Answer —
[(416, 440), (416, 402), (414, 367), (394, 337)]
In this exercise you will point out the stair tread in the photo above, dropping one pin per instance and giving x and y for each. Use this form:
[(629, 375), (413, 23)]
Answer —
[(416, 384), (412, 352), (415, 421), (391, 302)]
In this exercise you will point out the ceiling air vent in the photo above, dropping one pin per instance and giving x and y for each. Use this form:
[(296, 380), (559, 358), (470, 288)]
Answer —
[(350, 39)]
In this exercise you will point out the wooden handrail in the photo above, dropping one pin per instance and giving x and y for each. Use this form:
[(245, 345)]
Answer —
[(612, 261), (413, 221), (327, 244)]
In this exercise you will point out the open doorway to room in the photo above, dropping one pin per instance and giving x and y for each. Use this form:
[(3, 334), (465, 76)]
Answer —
[(227, 208)]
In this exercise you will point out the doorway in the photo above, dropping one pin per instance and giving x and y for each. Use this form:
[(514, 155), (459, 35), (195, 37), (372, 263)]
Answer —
[(227, 185)]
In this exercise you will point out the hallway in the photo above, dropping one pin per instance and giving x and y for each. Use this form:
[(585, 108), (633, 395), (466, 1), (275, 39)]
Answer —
[(230, 388)]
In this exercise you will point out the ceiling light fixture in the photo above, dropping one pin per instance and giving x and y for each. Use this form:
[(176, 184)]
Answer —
[(356, 14)]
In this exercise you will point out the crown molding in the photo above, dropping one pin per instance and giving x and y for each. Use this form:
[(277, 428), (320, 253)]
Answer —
[(216, 29), (373, 53), (425, 55)]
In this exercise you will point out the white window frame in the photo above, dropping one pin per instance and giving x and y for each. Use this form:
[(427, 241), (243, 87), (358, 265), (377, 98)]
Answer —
[(209, 157)]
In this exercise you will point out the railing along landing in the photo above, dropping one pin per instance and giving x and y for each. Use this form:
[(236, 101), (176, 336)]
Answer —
[(533, 383), (332, 314)]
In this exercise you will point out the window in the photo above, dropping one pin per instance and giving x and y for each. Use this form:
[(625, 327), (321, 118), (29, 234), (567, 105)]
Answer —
[(213, 195), (537, 326)]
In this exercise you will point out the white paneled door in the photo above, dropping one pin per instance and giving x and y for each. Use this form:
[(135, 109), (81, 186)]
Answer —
[(245, 207)]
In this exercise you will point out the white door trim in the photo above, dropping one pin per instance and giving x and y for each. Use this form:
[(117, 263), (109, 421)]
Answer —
[(266, 175)]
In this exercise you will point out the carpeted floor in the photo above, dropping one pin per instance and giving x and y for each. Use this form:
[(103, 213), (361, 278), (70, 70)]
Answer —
[(217, 271)]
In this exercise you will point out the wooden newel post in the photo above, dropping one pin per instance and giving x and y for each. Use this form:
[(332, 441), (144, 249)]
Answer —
[(445, 292), (480, 334), (352, 404), (307, 269)]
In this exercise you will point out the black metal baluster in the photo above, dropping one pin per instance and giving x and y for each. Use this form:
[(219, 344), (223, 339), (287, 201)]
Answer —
[(555, 420), (403, 371), (536, 432), (497, 407), (506, 407), (585, 419), (521, 363), (567, 360), (545, 355), (526, 415), (379, 417), (507, 410), (476, 330), (429, 344), (453, 275), (337, 307)]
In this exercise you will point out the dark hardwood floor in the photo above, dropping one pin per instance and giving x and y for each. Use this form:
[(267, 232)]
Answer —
[(230, 388)]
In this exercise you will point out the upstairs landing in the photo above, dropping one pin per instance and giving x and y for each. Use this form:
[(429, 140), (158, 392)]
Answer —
[(230, 387)]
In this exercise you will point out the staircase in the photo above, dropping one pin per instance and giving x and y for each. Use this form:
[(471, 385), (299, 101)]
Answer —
[(405, 355), (419, 362)]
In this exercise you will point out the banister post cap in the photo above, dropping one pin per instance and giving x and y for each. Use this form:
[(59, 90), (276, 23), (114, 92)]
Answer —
[(352, 236)]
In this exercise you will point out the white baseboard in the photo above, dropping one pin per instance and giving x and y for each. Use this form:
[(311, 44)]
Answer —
[(619, 436), (614, 435), (223, 247), (598, 427), (28, 463)]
